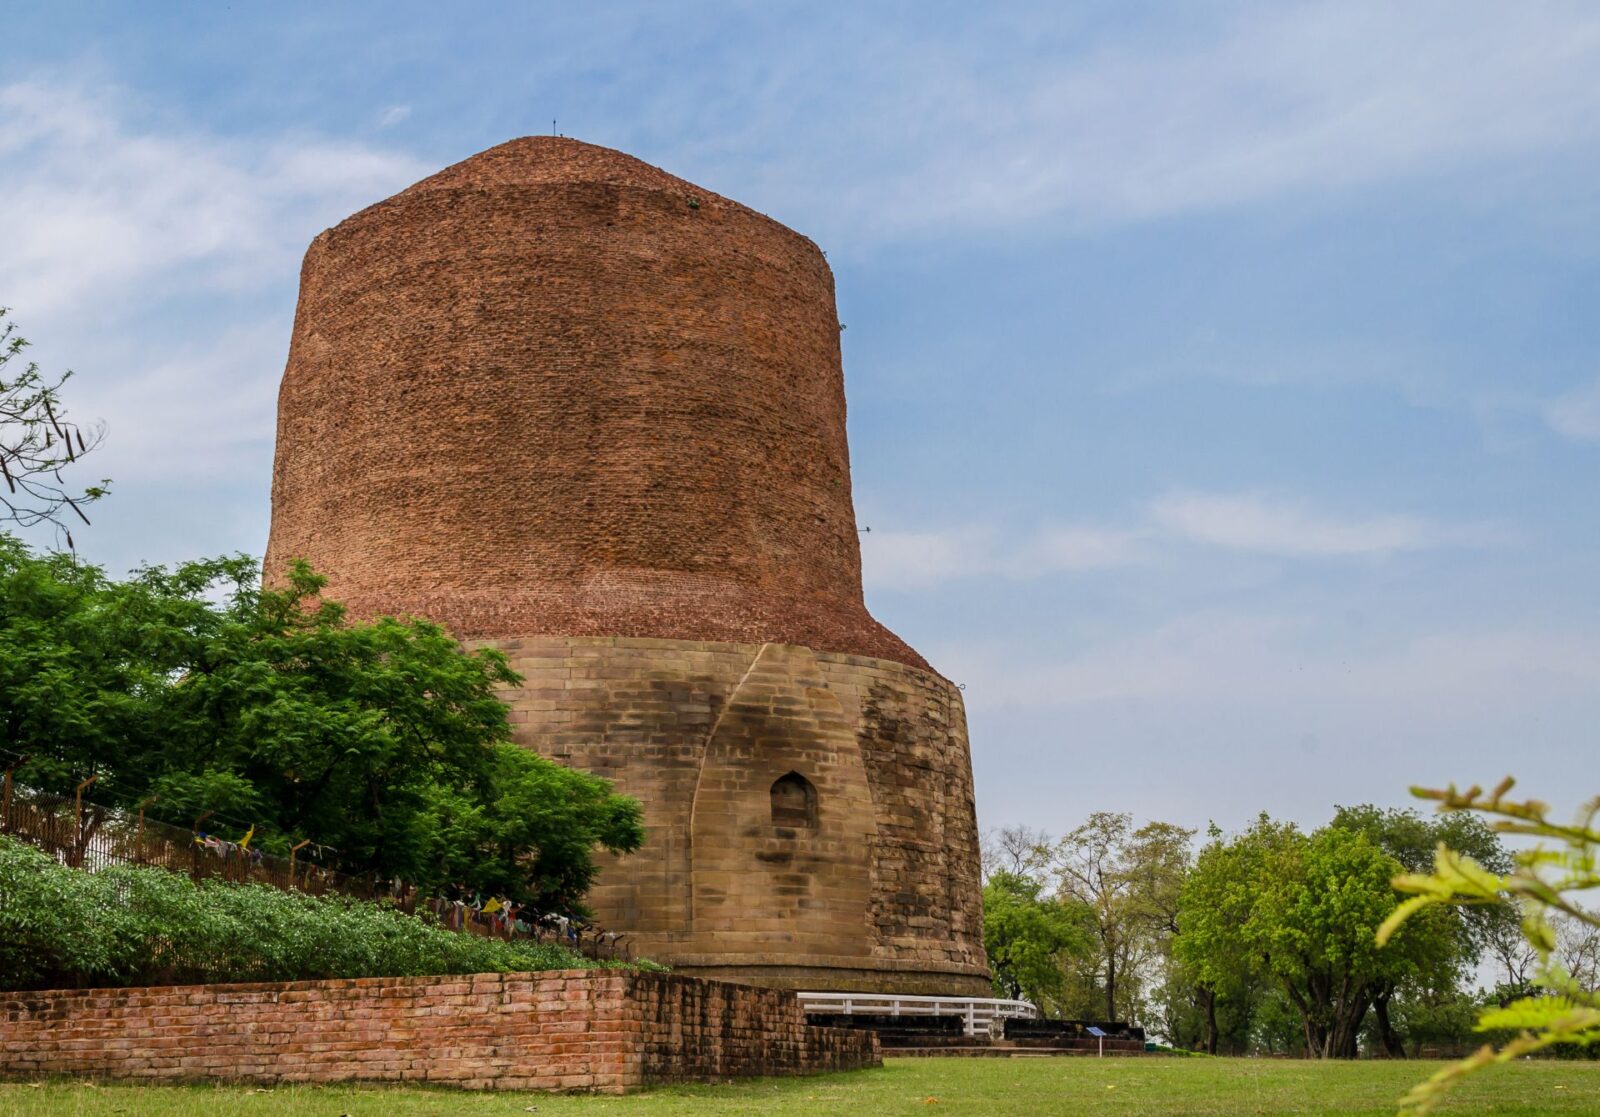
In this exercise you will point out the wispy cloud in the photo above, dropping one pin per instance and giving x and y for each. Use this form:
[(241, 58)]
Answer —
[(124, 228), (1283, 661), (1576, 414), (208, 400), (1254, 523), (1275, 526), (915, 560), (393, 115), (1096, 129), (117, 210)]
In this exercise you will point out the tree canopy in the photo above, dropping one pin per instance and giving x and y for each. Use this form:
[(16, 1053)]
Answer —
[(1261, 941), (1116, 885), (1129, 879), (1028, 938), (384, 742), (1217, 959), (1303, 911)]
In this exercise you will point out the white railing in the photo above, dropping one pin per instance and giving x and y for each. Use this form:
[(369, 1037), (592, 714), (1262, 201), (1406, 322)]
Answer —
[(979, 1014)]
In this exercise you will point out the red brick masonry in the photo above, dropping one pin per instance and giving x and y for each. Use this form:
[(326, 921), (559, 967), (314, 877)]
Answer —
[(555, 390), (607, 1031)]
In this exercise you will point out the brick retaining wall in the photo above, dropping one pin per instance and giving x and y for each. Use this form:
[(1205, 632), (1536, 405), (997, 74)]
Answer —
[(607, 1031)]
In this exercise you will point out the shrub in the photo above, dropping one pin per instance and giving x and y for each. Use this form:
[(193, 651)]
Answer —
[(199, 691), (132, 926)]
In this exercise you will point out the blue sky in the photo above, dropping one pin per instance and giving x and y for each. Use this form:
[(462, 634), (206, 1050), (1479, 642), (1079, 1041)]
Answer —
[(1224, 378)]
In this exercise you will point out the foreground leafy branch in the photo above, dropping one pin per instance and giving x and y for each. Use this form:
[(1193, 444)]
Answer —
[(1544, 881)]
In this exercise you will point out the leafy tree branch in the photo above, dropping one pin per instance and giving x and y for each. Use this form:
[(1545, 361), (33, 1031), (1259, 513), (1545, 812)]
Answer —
[(38, 441)]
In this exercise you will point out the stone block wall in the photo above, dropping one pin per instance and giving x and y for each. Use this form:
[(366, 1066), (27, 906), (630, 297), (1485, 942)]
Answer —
[(881, 895), (603, 1031)]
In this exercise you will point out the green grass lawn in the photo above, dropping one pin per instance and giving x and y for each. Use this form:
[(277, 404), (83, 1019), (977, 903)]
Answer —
[(1154, 1087)]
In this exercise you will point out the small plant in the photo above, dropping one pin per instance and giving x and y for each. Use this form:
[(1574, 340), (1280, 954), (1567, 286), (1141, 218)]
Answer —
[(1543, 883)]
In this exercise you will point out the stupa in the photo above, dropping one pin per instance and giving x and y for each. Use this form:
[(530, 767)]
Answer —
[(569, 405)]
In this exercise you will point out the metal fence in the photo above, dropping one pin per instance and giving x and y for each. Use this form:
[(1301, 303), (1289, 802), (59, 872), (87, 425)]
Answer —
[(91, 836), (87, 835)]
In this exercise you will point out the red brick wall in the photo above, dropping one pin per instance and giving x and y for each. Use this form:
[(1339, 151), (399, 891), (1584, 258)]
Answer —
[(694, 1031), (553, 389), (606, 1031)]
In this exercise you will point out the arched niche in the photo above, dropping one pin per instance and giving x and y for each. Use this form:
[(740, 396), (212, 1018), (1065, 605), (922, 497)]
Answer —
[(794, 802)]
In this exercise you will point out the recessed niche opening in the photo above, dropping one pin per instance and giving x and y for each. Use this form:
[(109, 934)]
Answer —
[(794, 802)]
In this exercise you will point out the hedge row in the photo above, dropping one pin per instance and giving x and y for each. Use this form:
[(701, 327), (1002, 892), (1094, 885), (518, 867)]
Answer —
[(62, 927)]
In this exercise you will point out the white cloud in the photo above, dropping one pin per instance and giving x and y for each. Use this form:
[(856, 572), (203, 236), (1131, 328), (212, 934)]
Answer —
[(1247, 522), (1288, 664), (1184, 657), (1218, 714), (210, 402), (105, 208), (913, 560), (393, 115), (1576, 414), (1263, 525), (1269, 100), (122, 232), (1075, 548)]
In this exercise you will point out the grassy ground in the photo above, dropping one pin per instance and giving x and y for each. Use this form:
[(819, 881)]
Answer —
[(1037, 1087)]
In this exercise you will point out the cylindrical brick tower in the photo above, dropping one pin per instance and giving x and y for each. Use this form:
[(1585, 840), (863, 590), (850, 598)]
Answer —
[(569, 405)]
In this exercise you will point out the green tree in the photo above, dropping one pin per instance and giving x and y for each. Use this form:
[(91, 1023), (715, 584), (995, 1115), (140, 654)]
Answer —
[(1438, 1019), (1276, 1027), (1302, 910), (1215, 905), (37, 442), (1130, 880), (1316, 927), (385, 741), (1578, 948), (1432, 990), (1199, 1017), (1027, 936)]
